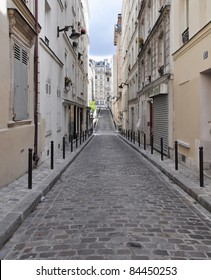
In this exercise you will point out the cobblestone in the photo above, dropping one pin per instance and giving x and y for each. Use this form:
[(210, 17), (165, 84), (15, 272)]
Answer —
[(111, 203)]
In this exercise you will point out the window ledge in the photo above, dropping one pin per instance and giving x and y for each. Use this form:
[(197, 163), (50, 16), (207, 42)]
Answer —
[(18, 123), (184, 144)]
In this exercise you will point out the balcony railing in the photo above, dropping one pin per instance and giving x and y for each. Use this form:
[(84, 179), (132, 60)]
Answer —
[(185, 36)]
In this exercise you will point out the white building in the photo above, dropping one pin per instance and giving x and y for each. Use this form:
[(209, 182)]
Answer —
[(63, 69), (44, 81), (129, 65)]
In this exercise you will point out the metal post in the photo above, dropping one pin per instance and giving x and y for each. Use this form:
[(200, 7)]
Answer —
[(30, 169), (152, 144), (161, 146), (201, 167), (52, 154), (63, 147), (144, 141), (71, 143), (69, 138), (176, 155), (134, 137), (128, 134), (76, 141), (131, 136), (83, 136), (80, 138), (139, 140)]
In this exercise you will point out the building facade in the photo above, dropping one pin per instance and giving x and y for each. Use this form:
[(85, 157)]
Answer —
[(44, 81), (63, 70), (192, 80), (18, 31), (103, 83), (117, 79), (129, 83), (155, 73)]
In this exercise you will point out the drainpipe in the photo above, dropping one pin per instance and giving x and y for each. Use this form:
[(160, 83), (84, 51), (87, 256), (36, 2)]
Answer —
[(36, 61)]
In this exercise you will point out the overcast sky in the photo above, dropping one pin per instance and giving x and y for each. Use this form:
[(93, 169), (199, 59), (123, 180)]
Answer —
[(103, 17)]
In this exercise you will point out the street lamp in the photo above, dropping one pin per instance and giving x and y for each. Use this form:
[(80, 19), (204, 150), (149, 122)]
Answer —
[(74, 35), (122, 84)]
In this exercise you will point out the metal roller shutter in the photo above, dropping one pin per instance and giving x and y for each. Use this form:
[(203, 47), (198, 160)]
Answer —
[(160, 121)]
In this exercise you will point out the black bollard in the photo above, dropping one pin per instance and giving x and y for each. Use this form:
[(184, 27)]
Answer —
[(201, 167), (71, 143), (161, 148), (80, 138), (134, 137), (152, 148), (139, 139), (52, 154), (176, 155), (30, 169), (145, 142), (76, 141), (83, 136), (63, 147), (131, 136)]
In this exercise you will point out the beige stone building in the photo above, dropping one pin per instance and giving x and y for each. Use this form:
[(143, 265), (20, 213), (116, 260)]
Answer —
[(17, 122), (192, 80)]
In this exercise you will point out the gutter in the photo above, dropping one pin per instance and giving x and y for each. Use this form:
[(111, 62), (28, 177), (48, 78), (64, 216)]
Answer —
[(36, 61)]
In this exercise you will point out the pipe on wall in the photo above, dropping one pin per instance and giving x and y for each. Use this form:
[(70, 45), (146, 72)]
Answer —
[(36, 81)]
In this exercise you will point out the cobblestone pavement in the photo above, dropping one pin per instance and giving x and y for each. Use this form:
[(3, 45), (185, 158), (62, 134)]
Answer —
[(113, 204)]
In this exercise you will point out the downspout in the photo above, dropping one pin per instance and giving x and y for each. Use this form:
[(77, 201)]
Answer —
[(36, 81)]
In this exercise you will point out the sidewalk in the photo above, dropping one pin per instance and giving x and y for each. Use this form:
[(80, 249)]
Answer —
[(184, 177), (17, 201)]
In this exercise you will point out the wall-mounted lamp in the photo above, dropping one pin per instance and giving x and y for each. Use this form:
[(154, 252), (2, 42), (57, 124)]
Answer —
[(74, 35), (123, 84)]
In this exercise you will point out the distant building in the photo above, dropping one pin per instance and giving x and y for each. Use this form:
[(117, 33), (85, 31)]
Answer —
[(103, 82)]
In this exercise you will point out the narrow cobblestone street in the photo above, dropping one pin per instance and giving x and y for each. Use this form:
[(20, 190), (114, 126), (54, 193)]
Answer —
[(112, 204)]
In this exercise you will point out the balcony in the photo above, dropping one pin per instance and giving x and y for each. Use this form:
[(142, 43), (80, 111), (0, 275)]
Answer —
[(185, 36)]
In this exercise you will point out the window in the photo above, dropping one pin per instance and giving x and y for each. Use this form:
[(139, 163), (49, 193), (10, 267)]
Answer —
[(48, 108), (185, 20), (47, 21), (59, 109), (20, 105), (161, 53)]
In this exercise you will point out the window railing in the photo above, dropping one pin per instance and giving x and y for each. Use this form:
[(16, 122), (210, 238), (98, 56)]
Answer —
[(185, 36)]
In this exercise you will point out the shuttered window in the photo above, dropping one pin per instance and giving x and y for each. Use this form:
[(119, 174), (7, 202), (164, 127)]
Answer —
[(20, 106), (48, 109), (59, 110)]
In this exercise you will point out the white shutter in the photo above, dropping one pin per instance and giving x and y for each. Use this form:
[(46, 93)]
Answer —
[(20, 83), (48, 108)]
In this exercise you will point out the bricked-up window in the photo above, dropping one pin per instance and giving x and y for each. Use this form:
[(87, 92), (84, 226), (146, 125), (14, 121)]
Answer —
[(20, 100)]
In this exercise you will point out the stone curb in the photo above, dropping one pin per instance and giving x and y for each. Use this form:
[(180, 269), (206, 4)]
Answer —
[(11, 222), (201, 195)]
